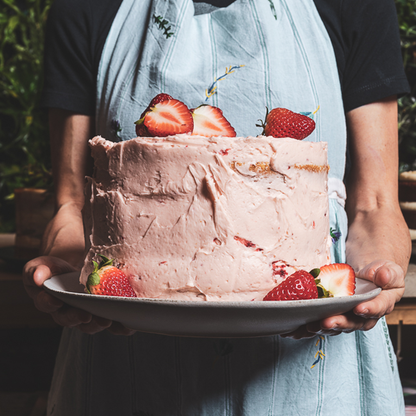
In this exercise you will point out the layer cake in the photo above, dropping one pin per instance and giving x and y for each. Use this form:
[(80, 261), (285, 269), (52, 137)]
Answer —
[(207, 219)]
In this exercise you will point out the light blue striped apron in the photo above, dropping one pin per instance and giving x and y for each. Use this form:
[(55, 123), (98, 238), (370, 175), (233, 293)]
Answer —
[(242, 58)]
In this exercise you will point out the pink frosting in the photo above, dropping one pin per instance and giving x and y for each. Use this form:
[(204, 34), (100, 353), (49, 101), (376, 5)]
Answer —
[(195, 218)]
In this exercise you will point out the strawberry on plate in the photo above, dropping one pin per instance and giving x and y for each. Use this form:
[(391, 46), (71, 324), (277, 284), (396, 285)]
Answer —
[(299, 285), (108, 280), (209, 121), (281, 122), (337, 279), (165, 116)]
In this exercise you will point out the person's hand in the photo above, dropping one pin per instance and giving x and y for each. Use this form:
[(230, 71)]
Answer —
[(385, 274), (42, 268)]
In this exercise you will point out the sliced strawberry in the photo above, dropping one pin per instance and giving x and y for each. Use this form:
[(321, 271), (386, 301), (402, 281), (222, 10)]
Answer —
[(281, 122), (108, 280), (156, 100), (337, 279), (167, 118), (299, 285), (209, 121), (141, 129)]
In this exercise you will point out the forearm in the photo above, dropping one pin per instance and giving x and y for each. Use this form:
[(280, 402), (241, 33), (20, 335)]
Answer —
[(71, 160), (377, 229), (64, 236)]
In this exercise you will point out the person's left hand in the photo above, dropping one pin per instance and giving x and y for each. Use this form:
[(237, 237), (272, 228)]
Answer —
[(385, 274)]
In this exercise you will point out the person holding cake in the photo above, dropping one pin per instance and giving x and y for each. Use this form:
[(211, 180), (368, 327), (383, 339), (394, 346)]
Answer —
[(105, 62)]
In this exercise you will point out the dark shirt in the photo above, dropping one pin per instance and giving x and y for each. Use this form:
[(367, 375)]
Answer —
[(364, 35)]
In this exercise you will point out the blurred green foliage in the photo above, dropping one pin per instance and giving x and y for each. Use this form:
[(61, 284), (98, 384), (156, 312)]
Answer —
[(24, 141), (406, 11)]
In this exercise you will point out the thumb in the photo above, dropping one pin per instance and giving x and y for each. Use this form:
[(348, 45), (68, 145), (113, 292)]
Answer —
[(38, 270), (384, 273)]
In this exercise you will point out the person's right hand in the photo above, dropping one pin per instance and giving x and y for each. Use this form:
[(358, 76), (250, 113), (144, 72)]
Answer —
[(42, 268)]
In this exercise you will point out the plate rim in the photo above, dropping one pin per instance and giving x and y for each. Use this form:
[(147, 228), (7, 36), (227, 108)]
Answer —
[(224, 304)]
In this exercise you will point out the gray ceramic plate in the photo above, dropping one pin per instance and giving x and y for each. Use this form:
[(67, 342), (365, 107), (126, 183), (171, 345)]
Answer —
[(206, 319)]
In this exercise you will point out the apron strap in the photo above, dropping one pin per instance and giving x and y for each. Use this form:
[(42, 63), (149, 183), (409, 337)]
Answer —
[(337, 191)]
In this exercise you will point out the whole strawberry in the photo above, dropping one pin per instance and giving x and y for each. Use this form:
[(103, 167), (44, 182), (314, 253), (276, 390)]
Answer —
[(281, 122), (164, 116), (108, 280), (299, 285)]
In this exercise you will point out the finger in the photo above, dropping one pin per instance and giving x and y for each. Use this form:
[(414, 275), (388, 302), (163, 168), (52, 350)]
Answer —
[(381, 305), (316, 328), (385, 274), (97, 324), (390, 277), (299, 333), (118, 329), (70, 317), (31, 269), (41, 274), (36, 271), (347, 322), (46, 303), (33, 291)]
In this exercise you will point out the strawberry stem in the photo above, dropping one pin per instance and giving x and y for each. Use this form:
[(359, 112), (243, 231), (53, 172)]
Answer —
[(105, 261), (315, 272), (140, 121), (322, 292), (94, 277), (262, 124)]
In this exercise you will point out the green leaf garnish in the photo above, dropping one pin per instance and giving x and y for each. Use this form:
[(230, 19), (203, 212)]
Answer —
[(94, 278), (105, 261), (315, 272)]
